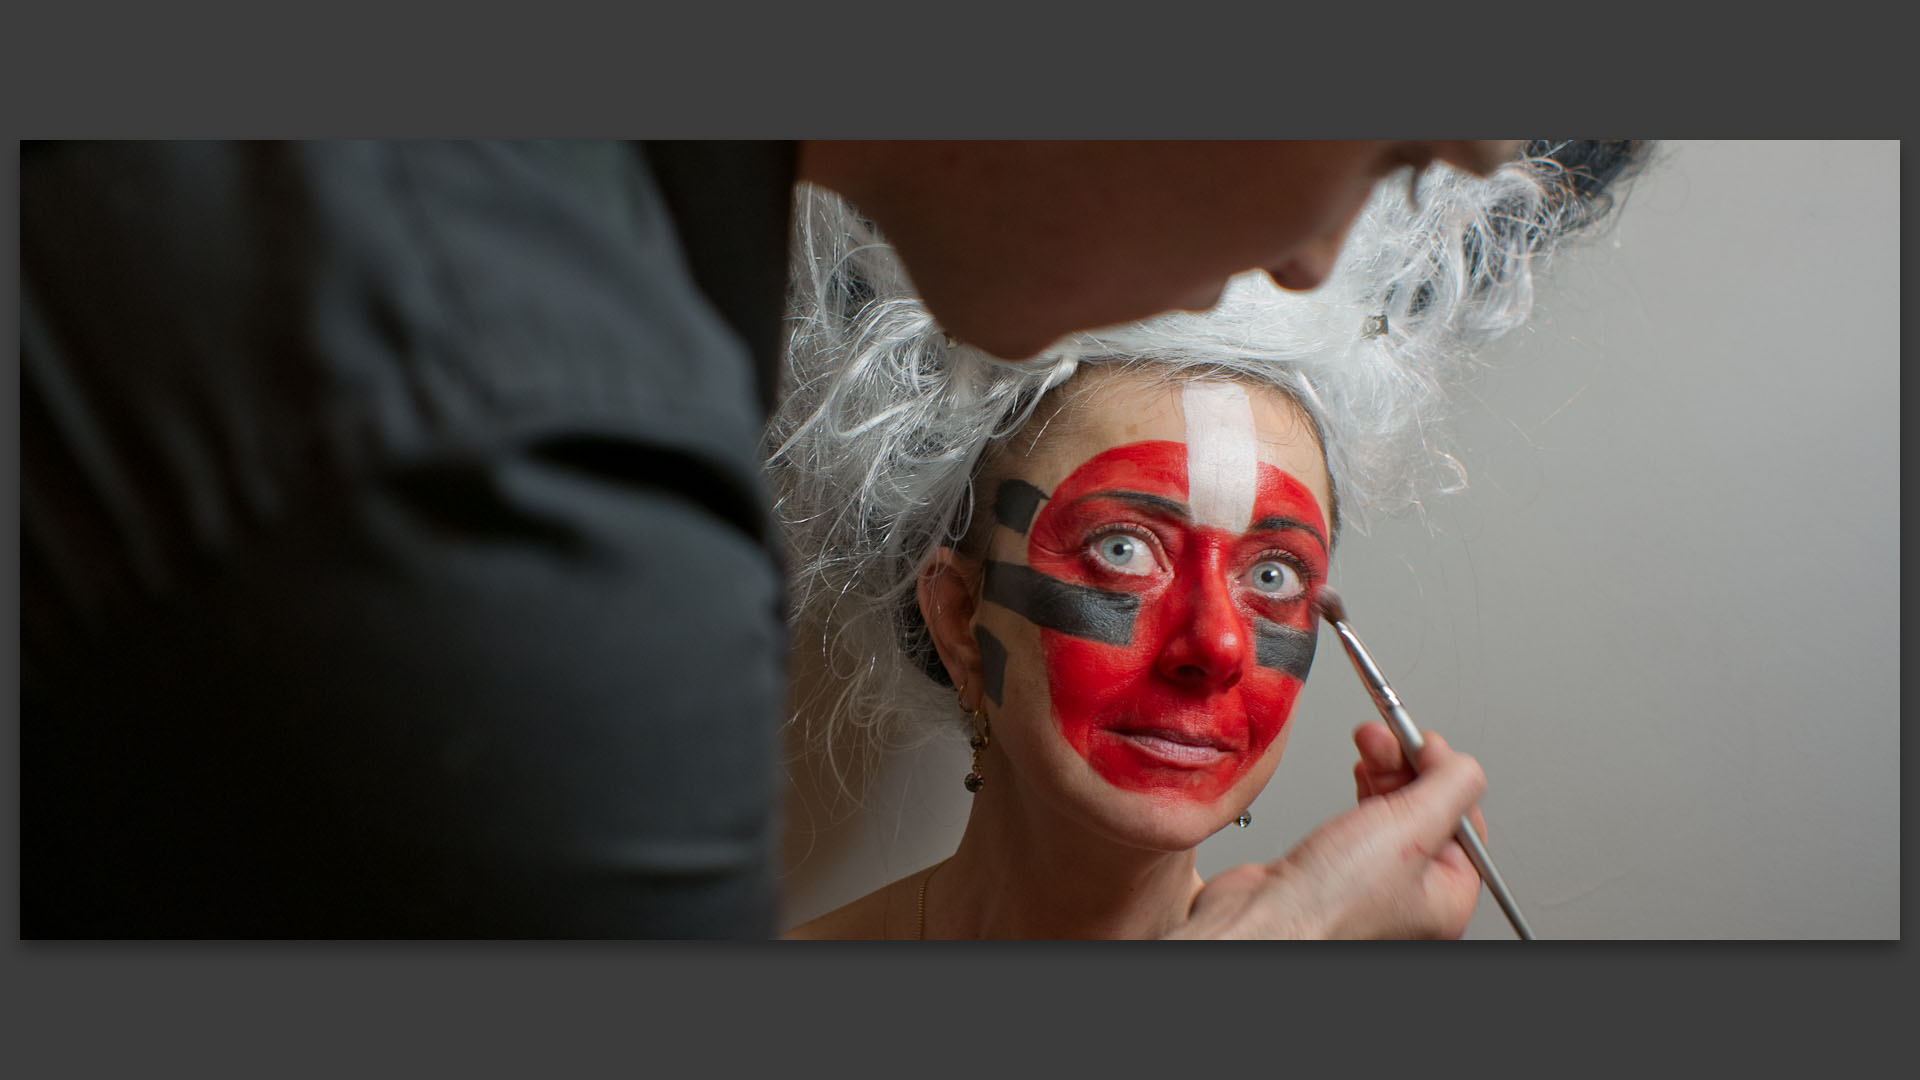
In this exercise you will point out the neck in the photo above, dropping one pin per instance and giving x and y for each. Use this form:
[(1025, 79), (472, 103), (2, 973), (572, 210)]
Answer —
[(1035, 876)]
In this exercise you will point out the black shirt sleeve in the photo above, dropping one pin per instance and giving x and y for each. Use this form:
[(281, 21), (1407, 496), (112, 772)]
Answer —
[(394, 556)]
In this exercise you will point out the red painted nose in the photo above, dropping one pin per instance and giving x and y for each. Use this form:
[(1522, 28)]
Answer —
[(1208, 643)]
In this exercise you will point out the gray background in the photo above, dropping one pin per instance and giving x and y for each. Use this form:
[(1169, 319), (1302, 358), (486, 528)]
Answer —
[(1664, 613)]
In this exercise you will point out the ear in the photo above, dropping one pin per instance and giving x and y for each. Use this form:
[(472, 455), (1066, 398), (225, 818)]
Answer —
[(949, 592)]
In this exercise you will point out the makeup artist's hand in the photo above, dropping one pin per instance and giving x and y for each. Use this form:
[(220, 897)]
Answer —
[(1383, 769), (1388, 868)]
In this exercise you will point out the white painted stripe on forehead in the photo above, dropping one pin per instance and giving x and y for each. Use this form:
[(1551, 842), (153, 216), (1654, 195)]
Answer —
[(1222, 454)]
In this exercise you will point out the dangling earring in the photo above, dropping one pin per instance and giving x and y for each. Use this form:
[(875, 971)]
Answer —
[(982, 735)]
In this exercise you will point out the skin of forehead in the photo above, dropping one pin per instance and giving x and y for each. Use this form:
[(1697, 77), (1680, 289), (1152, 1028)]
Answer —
[(1109, 410)]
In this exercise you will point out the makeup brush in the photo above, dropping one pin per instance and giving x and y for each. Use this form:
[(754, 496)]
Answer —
[(1397, 719)]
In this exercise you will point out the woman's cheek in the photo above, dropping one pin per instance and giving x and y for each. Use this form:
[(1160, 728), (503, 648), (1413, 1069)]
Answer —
[(1090, 681), (1269, 697)]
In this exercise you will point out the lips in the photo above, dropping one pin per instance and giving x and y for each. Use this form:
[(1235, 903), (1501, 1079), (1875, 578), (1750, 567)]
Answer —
[(1177, 748)]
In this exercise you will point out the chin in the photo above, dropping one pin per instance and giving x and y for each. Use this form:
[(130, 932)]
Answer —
[(1014, 327), (1163, 823), (1005, 342), (1003, 326), (1159, 808)]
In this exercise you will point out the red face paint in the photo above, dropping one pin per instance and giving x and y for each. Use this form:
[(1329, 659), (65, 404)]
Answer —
[(1182, 708)]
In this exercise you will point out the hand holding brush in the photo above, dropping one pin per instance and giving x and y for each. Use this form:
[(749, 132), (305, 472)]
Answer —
[(1411, 743)]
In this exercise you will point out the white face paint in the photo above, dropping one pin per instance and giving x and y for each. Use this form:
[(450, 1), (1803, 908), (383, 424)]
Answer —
[(1222, 454)]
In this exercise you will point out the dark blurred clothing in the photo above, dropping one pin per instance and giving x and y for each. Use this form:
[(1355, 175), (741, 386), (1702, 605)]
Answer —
[(395, 561)]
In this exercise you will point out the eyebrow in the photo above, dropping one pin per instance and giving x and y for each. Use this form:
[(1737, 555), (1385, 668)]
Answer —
[(1159, 504), (1281, 521), (1178, 510)]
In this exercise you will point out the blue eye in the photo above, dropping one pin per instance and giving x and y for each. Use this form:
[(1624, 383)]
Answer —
[(1276, 578), (1124, 552)]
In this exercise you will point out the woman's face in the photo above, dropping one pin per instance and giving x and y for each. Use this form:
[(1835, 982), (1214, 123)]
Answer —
[(1145, 618)]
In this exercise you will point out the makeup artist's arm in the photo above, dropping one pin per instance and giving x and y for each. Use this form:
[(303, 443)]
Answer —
[(1388, 868)]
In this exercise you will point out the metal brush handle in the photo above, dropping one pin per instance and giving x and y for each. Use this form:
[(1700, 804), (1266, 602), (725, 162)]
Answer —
[(1397, 719), (1411, 742)]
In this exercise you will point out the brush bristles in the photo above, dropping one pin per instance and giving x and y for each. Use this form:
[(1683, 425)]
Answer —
[(1329, 603)]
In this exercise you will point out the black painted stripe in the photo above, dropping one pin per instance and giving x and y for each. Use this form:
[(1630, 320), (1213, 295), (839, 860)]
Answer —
[(1079, 610), (993, 663), (1016, 502), (1283, 648)]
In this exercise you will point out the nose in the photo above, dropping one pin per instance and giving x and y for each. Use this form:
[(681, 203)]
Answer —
[(1311, 265), (1209, 642), (1477, 156), (1313, 262)]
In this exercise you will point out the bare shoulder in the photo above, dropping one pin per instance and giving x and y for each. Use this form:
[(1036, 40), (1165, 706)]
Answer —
[(886, 913)]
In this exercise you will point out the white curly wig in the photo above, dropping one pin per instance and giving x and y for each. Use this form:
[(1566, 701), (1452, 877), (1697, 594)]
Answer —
[(872, 453)]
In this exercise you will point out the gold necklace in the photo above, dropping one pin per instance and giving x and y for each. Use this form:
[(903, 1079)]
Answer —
[(922, 905)]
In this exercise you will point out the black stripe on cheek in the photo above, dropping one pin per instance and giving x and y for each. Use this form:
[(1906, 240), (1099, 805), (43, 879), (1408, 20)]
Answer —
[(1016, 502), (1283, 648), (993, 663), (1048, 602)]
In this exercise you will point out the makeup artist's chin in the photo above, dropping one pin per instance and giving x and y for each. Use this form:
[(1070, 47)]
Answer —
[(1201, 300), (1000, 338)]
